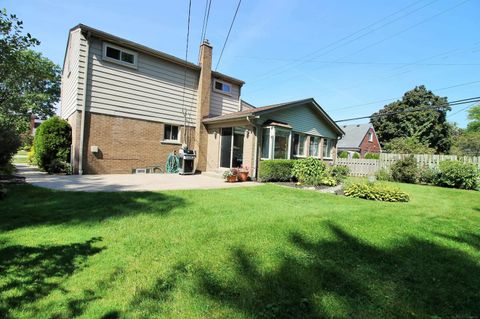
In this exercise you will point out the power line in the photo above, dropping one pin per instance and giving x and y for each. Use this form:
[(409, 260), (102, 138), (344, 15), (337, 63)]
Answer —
[(314, 53), (391, 36), (206, 15), (463, 109), (396, 98), (228, 34), (184, 109), (431, 107)]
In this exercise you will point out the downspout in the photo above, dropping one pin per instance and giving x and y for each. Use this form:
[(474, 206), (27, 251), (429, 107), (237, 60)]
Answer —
[(84, 107)]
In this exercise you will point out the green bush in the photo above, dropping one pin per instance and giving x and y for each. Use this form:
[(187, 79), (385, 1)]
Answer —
[(356, 155), (343, 154), (372, 156), (427, 175), (384, 174), (329, 181), (374, 191), (339, 172), (3, 191), (276, 170), (9, 143), (405, 170), (458, 175), (309, 171), (52, 145)]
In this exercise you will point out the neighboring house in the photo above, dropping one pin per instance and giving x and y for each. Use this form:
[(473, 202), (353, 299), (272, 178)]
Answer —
[(130, 106), (34, 124), (359, 138)]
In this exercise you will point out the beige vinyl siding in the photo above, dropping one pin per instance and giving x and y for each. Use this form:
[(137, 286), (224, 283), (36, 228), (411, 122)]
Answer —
[(303, 119), (221, 104), (154, 91), (70, 87)]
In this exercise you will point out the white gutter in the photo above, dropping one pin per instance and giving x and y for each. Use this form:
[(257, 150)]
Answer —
[(84, 107)]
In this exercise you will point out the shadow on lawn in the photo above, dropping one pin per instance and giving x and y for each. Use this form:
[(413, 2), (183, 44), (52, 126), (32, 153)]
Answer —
[(27, 205), (30, 273), (346, 277)]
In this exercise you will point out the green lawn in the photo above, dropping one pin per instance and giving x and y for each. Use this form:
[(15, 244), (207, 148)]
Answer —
[(257, 252)]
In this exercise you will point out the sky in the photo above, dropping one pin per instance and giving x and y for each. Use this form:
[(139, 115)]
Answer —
[(352, 56)]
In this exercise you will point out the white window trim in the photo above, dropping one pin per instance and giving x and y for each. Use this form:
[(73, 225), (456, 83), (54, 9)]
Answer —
[(169, 141), (305, 146), (106, 58), (370, 136), (320, 151), (223, 83), (329, 141)]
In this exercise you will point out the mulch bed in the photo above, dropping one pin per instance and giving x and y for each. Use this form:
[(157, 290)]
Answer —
[(321, 188)]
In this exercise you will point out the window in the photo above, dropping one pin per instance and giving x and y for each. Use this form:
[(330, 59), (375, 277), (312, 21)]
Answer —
[(266, 142), (327, 147), (298, 147), (314, 146), (222, 87), (231, 149), (275, 143), (116, 54), (170, 133), (370, 136)]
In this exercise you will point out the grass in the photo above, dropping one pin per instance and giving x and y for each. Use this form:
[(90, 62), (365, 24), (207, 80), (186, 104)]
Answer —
[(21, 157), (261, 252)]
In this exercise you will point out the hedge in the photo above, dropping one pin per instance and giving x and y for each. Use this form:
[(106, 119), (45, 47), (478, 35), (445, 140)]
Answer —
[(275, 170), (378, 192)]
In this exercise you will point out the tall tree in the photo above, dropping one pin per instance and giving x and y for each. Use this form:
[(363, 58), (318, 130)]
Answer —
[(474, 119), (29, 82), (428, 125)]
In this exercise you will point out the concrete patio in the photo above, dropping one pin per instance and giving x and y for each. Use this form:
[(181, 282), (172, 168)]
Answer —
[(124, 182)]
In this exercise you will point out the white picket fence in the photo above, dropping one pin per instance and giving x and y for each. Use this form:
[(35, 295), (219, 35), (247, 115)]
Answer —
[(367, 167)]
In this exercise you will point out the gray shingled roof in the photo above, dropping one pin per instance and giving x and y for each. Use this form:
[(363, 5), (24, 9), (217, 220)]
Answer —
[(354, 135)]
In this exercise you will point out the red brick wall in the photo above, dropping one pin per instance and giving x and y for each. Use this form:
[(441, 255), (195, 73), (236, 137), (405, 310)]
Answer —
[(124, 144), (369, 147)]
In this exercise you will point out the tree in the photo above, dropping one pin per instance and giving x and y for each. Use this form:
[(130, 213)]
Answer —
[(428, 125), (474, 119), (407, 145), (29, 83), (468, 143)]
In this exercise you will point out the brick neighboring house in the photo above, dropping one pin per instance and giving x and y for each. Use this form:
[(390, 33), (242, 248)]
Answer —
[(359, 138), (130, 106)]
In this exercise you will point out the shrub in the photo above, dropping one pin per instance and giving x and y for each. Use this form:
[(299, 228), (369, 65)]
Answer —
[(374, 191), (52, 144), (31, 158), (458, 175), (329, 181), (384, 174), (339, 172), (372, 155), (427, 175), (276, 170), (356, 155), (309, 171), (3, 192), (405, 170), (343, 154), (9, 142)]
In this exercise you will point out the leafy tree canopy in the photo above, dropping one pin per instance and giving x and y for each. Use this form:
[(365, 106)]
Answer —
[(407, 145), (429, 125), (474, 119), (29, 82), (468, 143)]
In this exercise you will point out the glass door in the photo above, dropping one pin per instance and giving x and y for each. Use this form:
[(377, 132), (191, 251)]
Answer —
[(231, 147)]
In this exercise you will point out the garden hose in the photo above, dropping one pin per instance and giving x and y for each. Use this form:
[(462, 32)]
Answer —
[(172, 164)]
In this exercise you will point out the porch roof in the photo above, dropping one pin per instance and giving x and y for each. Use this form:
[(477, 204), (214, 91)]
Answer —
[(271, 108)]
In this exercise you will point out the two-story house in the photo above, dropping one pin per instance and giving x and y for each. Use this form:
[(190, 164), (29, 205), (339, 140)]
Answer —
[(130, 106)]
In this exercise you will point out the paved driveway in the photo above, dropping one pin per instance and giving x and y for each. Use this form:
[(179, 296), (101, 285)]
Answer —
[(124, 182)]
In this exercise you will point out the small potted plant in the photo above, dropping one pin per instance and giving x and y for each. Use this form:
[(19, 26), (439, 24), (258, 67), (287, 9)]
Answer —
[(231, 175), (243, 173)]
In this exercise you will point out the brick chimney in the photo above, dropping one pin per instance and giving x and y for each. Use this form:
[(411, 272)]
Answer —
[(203, 105)]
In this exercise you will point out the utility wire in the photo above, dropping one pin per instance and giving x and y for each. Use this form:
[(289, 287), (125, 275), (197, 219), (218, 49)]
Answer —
[(184, 109), (228, 34), (431, 107), (206, 15), (396, 98), (339, 41)]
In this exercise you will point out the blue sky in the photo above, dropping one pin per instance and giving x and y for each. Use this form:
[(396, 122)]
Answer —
[(344, 53)]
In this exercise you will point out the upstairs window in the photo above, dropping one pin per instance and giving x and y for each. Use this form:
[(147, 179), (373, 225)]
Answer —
[(222, 87), (119, 55), (170, 133), (370, 136)]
